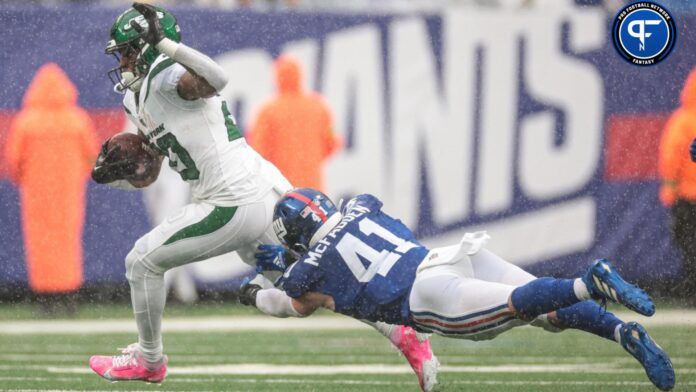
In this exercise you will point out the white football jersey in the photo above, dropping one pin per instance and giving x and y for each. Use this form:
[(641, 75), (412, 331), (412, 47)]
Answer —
[(201, 140)]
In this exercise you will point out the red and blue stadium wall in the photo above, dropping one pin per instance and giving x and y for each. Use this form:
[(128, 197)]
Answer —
[(630, 224)]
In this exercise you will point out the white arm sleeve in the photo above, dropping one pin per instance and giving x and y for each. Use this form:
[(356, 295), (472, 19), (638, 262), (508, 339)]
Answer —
[(201, 64), (275, 302), (263, 281)]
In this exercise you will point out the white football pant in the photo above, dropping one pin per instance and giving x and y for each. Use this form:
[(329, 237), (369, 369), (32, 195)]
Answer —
[(196, 232), (462, 292)]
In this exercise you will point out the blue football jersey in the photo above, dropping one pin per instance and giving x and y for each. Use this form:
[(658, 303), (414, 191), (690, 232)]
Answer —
[(367, 263)]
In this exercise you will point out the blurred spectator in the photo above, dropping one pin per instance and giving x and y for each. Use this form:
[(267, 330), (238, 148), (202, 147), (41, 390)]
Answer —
[(50, 149), (294, 129), (678, 189), (360, 5), (272, 4)]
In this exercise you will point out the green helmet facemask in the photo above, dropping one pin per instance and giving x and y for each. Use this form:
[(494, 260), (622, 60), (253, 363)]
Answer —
[(125, 40)]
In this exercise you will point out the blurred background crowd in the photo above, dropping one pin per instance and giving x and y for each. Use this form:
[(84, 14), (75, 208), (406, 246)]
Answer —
[(515, 116), (358, 5)]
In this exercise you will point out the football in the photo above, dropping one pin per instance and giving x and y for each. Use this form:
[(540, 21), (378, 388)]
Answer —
[(135, 147)]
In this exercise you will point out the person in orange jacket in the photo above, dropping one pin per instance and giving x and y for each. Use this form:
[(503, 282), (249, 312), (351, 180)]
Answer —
[(50, 149), (678, 190), (294, 129)]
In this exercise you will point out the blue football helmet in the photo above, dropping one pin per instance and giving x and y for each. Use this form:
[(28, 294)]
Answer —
[(299, 214)]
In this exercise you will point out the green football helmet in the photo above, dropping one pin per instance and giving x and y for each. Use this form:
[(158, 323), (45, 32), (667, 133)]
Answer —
[(125, 38)]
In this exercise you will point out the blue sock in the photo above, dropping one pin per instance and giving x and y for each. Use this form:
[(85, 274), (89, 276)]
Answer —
[(543, 295), (589, 317)]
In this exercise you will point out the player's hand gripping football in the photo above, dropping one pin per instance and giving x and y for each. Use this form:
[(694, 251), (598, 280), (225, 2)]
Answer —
[(153, 34), (271, 258), (110, 167)]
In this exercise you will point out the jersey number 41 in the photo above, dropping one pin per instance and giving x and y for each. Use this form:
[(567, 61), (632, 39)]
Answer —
[(381, 261)]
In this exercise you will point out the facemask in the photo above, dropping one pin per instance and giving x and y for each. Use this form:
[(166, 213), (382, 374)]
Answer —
[(128, 81)]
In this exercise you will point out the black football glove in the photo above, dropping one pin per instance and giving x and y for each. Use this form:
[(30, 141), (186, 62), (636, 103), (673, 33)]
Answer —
[(110, 167), (247, 293), (153, 34)]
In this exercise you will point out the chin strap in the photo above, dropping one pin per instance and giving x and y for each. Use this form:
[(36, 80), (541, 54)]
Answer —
[(120, 88), (326, 228), (128, 81)]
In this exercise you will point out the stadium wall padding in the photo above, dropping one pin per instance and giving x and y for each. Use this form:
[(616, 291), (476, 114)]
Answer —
[(527, 124)]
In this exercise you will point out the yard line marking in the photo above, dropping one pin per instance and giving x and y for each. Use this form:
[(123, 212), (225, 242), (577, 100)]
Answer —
[(377, 382), (199, 324), (91, 390), (209, 356), (43, 357), (553, 383), (32, 378), (672, 317), (375, 368), (49, 359), (19, 367), (396, 382)]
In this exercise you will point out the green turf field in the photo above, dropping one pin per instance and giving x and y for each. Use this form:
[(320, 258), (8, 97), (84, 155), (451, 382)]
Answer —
[(525, 359)]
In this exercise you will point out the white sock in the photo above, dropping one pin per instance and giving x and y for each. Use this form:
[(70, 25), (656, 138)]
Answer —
[(580, 290), (148, 297), (385, 329), (389, 331), (617, 333), (151, 352)]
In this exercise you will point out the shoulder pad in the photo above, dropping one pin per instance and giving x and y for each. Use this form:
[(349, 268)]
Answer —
[(365, 200)]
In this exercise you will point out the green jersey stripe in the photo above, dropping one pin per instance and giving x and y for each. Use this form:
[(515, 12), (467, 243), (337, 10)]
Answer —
[(214, 221), (158, 68), (233, 132)]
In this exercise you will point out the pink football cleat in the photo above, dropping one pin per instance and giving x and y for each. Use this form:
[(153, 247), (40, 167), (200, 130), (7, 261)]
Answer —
[(419, 355), (127, 367)]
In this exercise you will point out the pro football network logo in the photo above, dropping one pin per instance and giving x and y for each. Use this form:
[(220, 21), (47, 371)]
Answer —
[(644, 33)]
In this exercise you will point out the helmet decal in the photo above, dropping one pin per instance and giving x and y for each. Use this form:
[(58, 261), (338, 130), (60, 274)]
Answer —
[(122, 36), (312, 206), (141, 21), (279, 229), (299, 215)]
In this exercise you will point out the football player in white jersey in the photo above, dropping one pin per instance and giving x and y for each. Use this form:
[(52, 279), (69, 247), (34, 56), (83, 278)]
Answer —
[(171, 94)]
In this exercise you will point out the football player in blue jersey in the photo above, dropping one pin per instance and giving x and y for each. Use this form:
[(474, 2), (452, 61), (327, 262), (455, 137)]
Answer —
[(365, 264)]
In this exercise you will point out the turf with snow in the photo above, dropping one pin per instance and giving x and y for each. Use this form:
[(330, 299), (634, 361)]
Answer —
[(328, 353)]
